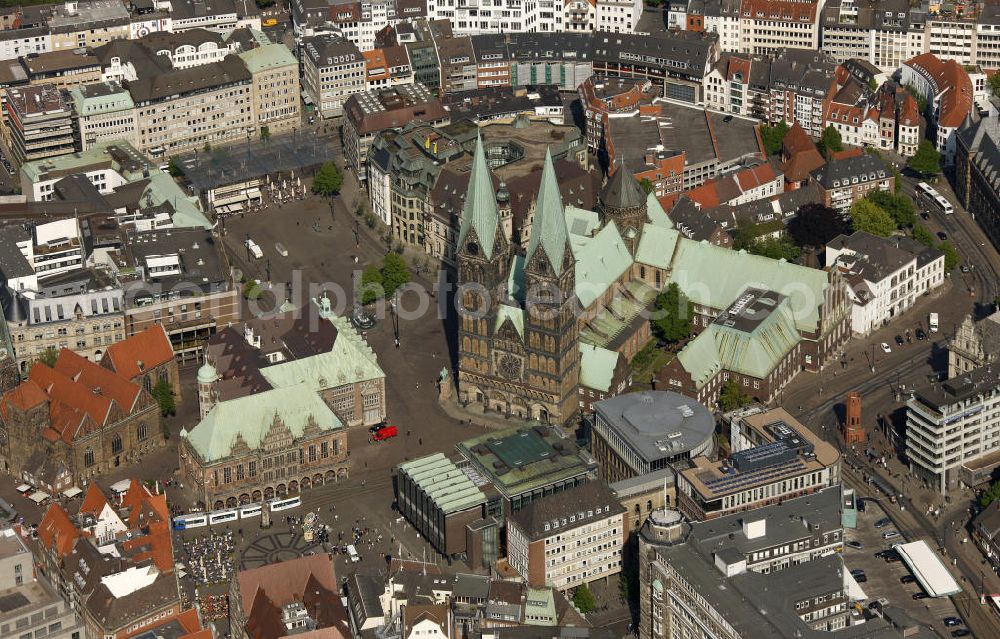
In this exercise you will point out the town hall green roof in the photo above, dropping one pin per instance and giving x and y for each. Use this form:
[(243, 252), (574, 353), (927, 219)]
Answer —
[(251, 417)]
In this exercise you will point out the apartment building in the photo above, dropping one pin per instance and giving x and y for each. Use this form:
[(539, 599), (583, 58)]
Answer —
[(333, 69), (221, 15), (64, 69), (775, 458), (103, 112), (885, 276), (387, 67), (39, 122), (366, 114), (76, 24), (275, 88), (33, 605), (946, 86), (55, 247), (977, 163), (15, 43), (579, 16), (768, 26), (189, 48), (789, 87), (618, 16), (954, 424), (457, 63), (846, 180), (81, 310), (569, 539)]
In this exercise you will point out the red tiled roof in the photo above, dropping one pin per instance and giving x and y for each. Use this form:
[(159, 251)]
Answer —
[(780, 10), (950, 79), (909, 115), (94, 501), (57, 529), (25, 396), (755, 176), (846, 153), (151, 348), (797, 141), (704, 195), (99, 381), (134, 495)]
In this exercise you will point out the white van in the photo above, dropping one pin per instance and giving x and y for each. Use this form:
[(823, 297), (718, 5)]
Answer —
[(353, 554), (933, 322), (280, 248)]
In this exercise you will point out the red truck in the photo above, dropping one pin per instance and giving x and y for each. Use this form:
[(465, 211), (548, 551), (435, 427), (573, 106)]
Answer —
[(382, 433)]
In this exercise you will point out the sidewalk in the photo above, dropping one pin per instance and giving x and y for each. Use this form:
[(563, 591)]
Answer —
[(493, 421)]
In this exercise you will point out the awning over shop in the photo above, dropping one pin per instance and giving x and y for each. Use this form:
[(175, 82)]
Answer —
[(72, 492), (121, 486), (38, 496), (23, 488)]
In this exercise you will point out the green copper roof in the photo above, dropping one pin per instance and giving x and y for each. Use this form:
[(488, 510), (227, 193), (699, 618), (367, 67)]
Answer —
[(252, 416), (600, 261), (654, 211), (514, 314), (268, 56), (756, 353), (597, 367), (480, 210), (581, 221), (714, 276), (548, 230), (656, 246), (444, 483), (350, 360)]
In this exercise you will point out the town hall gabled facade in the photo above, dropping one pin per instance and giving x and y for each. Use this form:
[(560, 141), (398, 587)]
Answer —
[(518, 334)]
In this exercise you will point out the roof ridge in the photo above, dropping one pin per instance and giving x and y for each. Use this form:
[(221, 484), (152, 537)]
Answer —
[(549, 227)]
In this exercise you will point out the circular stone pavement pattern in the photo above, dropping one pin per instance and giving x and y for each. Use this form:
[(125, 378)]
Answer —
[(271, 549)]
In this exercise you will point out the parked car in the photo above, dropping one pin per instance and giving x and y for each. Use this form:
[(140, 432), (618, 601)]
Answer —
[(860, 578), (907, 579), (921, 334), (885, 348), (899, 340), (942, 235), (919, 595), (857, 571), (961, 632), (857, 545), (882, 523), (383, 432), (952, 621), (889, 534)]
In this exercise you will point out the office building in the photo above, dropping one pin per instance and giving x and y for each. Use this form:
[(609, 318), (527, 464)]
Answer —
[(774, 459), (568, 539), (275, 88), (39, 123), (945, 85), (524, 464), (845, 180), (642, 432), (441, 500), (367, 114), (333, 70), (104, 112), (952, 425)]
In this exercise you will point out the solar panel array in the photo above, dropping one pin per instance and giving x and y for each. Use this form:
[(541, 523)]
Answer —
[(741, 480)]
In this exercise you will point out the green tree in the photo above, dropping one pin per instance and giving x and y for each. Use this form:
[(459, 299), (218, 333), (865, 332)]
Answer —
[(647, 185), (830, 142), (776, 248), (773, 136), (866, 216), (252, 290), (927, 160), (174, 169), (265, 133), (872, 84), (48, 357), (995, 84), (922, 235), (900, 207), (919, 97), (164, 396), (327, 180), (732, 397), (815, 224), (673, 316), (207, 148), (583, 599), (951, 258), (371, 284), (990, 495), (394, 273)]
